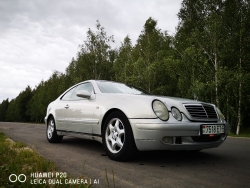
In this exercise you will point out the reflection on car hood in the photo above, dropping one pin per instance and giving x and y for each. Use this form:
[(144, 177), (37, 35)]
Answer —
[(182, 100)]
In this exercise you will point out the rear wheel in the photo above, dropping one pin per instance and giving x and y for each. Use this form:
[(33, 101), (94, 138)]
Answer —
[(52, 136), (117, 137)]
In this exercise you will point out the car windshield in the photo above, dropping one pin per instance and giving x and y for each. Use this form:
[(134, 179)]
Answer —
[(114, 87)]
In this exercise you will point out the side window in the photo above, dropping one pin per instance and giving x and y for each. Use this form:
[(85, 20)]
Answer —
[(86, 86), (67, 96)]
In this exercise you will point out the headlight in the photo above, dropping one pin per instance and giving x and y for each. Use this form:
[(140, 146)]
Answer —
[(220, 114), (176, 114), (160, 110)]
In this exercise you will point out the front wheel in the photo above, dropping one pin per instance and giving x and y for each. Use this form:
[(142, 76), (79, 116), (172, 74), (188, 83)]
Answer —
[(52, 136), (117, 137)]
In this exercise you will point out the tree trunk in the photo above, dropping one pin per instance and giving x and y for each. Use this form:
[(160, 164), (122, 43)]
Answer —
[(216, 80), (240, 94), (240, 81), (239, 110)]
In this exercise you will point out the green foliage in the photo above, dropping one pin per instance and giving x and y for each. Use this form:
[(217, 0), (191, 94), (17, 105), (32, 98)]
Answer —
[(17, 107), (212, 40), (3, 109), (208, 57), (95, 59)]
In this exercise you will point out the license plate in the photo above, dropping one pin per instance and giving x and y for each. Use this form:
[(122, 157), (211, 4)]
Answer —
[(212, 129)]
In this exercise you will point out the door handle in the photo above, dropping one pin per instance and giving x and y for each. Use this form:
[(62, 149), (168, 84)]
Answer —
[(67, 106)]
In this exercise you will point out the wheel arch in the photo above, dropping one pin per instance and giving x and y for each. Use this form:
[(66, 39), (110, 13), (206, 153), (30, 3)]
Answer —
[(108, 113), (129, 147), (50, 115)]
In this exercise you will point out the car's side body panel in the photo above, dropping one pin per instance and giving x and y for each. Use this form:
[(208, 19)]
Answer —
[(79, 116)]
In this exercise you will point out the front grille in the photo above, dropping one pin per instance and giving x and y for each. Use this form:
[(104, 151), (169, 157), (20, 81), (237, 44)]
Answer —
[(201, 111)]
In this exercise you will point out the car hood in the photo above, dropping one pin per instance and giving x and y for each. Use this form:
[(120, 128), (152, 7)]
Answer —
[(176, 99), (179, 102), (166, 99), (140, 106)]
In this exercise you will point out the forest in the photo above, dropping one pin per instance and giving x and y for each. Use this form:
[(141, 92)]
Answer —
[(208, 56)]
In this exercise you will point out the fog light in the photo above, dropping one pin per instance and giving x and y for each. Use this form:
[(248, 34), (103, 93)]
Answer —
[(167, 140)]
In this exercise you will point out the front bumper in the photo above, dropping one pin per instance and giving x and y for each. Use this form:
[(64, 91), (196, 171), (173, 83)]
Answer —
[(154, 134), (45, 120)]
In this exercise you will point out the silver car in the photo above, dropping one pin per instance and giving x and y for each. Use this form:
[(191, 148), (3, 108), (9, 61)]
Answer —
[(126, 119)]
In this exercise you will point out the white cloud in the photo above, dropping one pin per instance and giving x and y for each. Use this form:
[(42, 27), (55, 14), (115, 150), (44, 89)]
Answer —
[(38, 37)]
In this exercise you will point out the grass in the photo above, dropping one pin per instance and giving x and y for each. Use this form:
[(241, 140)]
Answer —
[(240, 135), (244, 132), (16, 158)]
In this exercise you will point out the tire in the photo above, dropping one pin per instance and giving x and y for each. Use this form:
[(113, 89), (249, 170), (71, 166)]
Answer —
[(117, 137), (51, 133)]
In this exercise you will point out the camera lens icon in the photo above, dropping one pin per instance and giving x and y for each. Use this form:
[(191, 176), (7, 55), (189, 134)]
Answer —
[(21, 178)]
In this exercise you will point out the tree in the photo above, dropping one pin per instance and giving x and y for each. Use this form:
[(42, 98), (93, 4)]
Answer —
[(148, 65), (96, 57), (213, 40), (21, 104), (123, 60), (11, 114), (3, 109)]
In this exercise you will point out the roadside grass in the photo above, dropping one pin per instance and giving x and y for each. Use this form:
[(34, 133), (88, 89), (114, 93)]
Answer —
[(244, 132), (240, 135), (16, 158)]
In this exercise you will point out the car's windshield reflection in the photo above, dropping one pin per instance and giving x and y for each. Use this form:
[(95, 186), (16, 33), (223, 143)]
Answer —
[(113, 87)]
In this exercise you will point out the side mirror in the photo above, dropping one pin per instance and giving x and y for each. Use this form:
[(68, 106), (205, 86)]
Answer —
[(83, 94)]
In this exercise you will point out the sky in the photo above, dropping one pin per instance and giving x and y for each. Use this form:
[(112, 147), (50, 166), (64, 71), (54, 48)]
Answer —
[(38, 37)]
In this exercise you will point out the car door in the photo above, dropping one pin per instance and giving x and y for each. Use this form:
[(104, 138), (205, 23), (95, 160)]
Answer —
[(79, 114), (61, 106)]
